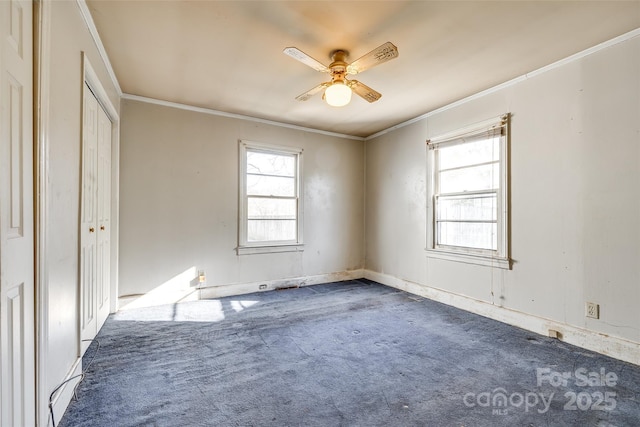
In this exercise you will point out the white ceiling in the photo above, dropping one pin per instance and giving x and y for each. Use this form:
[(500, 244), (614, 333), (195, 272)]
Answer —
[(227, 55)]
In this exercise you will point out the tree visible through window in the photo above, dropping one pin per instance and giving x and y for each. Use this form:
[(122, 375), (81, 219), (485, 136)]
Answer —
[(270, 195)]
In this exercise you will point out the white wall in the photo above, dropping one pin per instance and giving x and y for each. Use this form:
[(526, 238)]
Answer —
[(69, 37), (575, 196), (179, 200)]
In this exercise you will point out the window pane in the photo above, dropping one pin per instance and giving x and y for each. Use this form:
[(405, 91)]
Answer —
[(468, 234), (474, 178), (269, 230), (262, 185), (274, 209), (471, 153), (271, 164), (476, 208)]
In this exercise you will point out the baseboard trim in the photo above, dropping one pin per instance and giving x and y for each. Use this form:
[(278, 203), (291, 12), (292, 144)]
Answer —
[(62, 397), (615, 347), (270, 285)]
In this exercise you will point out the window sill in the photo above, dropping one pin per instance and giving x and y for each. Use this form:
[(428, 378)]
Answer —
[(269, 249), (504, 263)]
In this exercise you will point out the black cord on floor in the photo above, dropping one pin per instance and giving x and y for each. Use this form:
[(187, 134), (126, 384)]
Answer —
[(81, 376)]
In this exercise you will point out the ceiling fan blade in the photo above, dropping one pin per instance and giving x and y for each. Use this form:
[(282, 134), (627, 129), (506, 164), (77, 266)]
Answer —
[(364, 91), (296, 53), (382, 53), (308, 94)]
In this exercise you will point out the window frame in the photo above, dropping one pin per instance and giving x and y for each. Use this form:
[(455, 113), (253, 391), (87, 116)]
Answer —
[(246, 247), (495, 258)]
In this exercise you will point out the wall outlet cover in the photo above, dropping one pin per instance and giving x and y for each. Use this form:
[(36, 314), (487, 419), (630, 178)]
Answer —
[(593, 310)]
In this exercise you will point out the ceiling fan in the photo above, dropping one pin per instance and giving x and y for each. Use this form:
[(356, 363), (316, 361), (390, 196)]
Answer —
[(337, 92)]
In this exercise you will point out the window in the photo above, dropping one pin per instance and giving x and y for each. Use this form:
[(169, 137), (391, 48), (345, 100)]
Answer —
[(468, 200), (270, 198)]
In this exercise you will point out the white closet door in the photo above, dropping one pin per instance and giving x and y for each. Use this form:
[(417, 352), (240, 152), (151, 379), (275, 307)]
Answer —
[(17, 345), (104, 215), (89, 219)]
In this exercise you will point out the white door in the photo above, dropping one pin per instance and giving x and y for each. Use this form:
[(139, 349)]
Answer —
[(94, 221), (88, 218), (17, 369), (104, 214)]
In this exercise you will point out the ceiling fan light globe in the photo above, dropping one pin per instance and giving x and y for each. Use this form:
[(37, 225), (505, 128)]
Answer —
[(338, 95)]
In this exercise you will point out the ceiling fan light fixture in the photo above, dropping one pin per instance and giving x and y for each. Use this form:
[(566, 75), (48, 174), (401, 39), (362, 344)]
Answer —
[(338, 91), (338, 94)]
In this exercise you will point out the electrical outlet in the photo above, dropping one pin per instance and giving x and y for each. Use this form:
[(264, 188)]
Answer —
[(593, 310)]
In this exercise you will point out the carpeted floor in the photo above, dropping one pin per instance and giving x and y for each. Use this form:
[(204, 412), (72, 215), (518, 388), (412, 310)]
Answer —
[(344, 354)]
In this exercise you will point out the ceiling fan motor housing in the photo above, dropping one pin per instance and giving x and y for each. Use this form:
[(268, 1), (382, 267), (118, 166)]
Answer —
[(339, 65)]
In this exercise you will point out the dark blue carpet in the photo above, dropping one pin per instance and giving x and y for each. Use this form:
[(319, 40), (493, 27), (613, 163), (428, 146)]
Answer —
[(344, 354)]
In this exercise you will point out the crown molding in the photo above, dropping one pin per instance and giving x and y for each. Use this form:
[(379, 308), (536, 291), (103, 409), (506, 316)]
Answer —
[(88, 19), (575, 57), (212, 112)]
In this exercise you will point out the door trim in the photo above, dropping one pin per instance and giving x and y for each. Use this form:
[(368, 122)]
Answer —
[(42, 63), (91, 79)]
